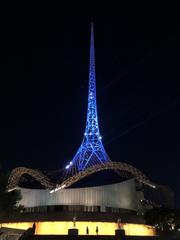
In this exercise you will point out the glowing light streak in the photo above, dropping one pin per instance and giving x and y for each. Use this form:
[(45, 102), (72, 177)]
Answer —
[(58, 188), (12, 189)]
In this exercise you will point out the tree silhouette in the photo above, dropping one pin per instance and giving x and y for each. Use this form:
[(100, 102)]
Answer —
[(162, 217), (8, 200)]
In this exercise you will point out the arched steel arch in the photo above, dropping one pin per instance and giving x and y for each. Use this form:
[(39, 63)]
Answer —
[(122, 168), (117, 166), (17, 173)]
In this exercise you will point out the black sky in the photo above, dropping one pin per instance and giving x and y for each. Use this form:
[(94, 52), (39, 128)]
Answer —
[(44, 76)]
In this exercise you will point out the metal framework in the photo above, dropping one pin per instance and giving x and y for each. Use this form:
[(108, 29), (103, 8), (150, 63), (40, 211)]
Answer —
[(91, 151), (91, 156), (17, 173), (125, 169)]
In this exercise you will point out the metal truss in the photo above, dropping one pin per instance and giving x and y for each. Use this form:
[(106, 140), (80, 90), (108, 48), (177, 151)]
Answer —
[(91, 156), (17, 173), (91, 151), (124, 169)]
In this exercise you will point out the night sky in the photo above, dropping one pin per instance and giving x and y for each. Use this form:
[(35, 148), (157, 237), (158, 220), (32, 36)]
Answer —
[(44, 78)]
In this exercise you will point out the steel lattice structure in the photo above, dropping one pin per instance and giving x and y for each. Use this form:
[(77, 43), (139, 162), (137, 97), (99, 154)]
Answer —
[(91, 156), (17, 173), (91, 151), (125, 169)]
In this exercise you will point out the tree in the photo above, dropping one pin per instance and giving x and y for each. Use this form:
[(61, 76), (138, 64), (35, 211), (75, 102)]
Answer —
[(162, 217), (8, 200)]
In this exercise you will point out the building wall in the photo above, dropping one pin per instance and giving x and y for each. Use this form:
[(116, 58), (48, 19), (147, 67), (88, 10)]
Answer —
[(119, 195)]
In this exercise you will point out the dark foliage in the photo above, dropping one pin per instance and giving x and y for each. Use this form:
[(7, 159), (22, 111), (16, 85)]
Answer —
[(8, 200), (162, 217)]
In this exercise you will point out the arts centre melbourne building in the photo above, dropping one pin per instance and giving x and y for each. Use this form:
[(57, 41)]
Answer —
[(61, 206)]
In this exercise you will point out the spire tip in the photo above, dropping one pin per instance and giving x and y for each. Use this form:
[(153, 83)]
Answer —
[(92, 26)]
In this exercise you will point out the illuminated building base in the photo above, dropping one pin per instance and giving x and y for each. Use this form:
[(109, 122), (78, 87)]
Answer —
[(61, 228)]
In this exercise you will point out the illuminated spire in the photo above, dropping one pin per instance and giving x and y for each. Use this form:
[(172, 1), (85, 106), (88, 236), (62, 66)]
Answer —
[(91, 150)]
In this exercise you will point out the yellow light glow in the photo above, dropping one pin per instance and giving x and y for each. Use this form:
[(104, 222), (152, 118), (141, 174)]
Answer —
[(105, 228)]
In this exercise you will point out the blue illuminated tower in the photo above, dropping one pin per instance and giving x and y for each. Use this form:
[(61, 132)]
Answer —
[(91, 151)]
